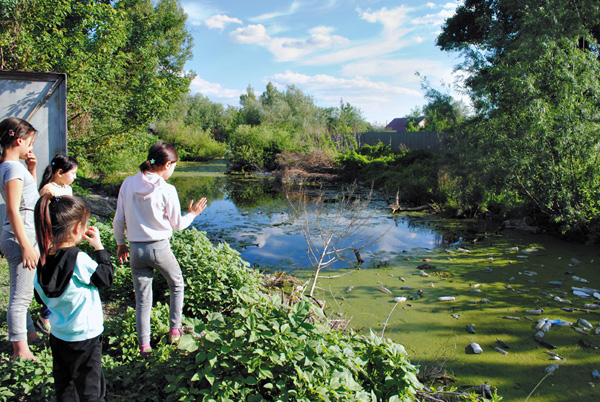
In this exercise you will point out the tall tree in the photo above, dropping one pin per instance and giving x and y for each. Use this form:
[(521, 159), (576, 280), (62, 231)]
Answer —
[(533, 74), (124, 59)]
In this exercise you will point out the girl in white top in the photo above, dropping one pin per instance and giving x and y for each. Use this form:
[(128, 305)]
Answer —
[(58, 176), (18, 243), (148, 211)]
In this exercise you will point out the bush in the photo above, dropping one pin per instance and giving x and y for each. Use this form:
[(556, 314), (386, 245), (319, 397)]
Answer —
[(240, 343)]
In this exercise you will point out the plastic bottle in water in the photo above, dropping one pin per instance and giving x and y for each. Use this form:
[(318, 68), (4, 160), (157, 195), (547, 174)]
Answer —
[(546, 326), (551, 369), (476, 348)]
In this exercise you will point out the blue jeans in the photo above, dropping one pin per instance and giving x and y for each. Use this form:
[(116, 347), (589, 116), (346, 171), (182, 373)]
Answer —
[(145, 258), (18, 317)]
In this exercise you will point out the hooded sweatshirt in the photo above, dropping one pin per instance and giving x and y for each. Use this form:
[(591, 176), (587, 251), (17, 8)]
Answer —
[(148, 209), (68, 284)]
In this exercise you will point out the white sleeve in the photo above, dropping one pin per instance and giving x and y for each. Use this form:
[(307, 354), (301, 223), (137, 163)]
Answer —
[(119, 219), (173, 211)]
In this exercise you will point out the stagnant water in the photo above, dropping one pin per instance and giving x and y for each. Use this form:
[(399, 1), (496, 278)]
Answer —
[(494, 279)]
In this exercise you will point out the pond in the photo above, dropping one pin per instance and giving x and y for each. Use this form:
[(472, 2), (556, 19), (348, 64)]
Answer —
[(498, 283)]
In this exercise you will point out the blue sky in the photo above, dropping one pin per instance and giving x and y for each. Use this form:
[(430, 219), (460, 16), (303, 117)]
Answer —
[(365, 52)]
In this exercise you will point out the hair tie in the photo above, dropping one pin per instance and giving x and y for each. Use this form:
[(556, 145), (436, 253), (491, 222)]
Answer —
[(55, 199), (152, 161), (53, 163), (11, 133)]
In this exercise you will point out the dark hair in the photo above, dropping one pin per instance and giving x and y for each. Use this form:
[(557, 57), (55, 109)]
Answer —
[(158, 155), (59, 162), (55, 218), (13, 128)]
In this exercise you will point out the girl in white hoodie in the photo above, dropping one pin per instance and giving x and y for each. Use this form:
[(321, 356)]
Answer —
[(148, 211)]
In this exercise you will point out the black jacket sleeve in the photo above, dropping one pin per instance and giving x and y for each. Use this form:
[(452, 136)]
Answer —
[(103, 277)]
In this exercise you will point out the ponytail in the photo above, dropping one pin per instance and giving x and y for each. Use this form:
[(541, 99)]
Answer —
[(159, 155), (55, 218)]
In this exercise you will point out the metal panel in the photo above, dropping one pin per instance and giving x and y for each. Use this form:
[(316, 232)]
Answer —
[(41, 99)]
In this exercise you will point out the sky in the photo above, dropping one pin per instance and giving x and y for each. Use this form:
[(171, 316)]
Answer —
[(363, 52)]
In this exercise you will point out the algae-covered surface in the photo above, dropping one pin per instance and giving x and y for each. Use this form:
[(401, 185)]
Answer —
[(494, 276), (493, 284)]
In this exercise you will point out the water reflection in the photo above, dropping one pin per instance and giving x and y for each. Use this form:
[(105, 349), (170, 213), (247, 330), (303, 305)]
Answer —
[(255, 218)]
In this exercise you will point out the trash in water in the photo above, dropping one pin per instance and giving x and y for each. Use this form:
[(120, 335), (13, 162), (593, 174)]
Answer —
[(575, 261), (487, 270), (545, 344), (579, 331), (595, 375), (538, 311), (423, 273), (405, 287), (446, 298), (497, 349), (578, 279), (561, 300), (456, 316), (399, 299), (529, 273), (485, 300), (512, 249), (470, 329), (463, 250), (556, 355), (349, 289), (476, 348), (555, 283), (502, 343), (385, 290), (475, 290), (510, 317), (551, 369), (584, 323), (592, 306), (560, 323)]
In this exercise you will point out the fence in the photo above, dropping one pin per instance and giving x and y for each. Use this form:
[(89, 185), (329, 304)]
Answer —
[(428, 140)]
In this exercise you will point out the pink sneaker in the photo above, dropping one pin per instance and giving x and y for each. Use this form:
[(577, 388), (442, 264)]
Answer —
[(175, 335), (145, 350)]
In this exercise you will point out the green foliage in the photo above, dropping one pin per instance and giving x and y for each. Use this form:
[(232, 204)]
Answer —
[(124, 61), (26, 379), (533, 79), (414, 175), (215, 276), (241, 343)]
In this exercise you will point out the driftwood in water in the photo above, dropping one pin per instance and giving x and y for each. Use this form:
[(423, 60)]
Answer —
[(426, 207)]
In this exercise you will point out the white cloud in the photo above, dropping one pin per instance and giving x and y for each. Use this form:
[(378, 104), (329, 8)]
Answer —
[(369, 96), (250, 34), (198, 12), (288, 49), (215, 91), (431, 5), (402, 71), (268, 16), (219, 21)]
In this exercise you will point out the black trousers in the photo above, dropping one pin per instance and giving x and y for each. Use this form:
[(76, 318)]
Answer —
[(77, 370)]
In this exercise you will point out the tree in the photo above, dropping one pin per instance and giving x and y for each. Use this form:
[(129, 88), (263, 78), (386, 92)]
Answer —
[(441, 113), (124, 61), (533, 77), (333, 231)]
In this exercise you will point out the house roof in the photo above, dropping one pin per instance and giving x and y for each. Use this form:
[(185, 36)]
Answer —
[(399, 124)]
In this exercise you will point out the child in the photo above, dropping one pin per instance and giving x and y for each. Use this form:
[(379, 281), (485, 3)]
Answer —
[(67, 281), (57, 179), (59, 175), (17, 242), (149, 209)]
